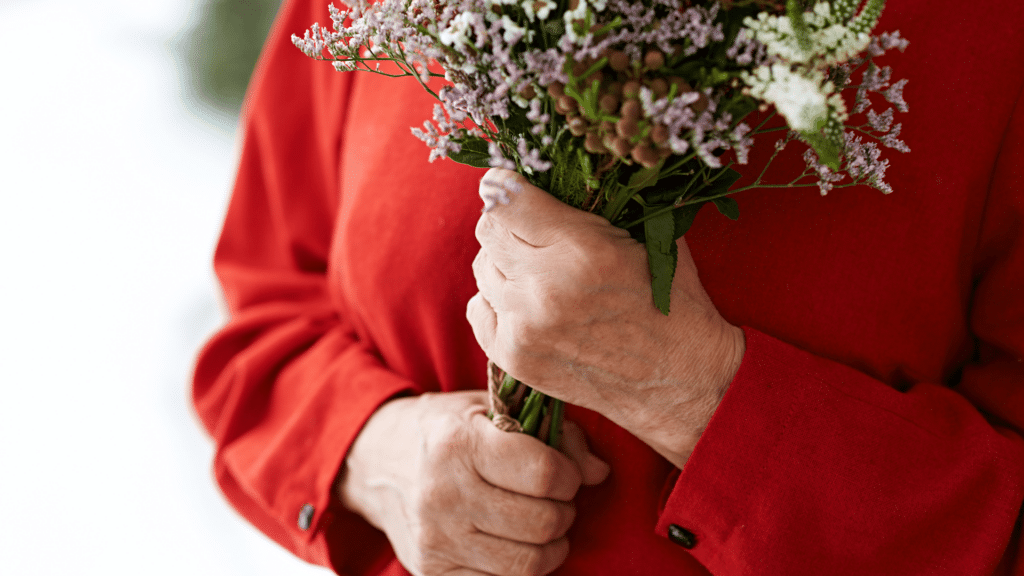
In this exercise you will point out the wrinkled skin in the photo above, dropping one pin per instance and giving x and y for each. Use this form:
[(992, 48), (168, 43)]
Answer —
[(565, 305), (457, 496)]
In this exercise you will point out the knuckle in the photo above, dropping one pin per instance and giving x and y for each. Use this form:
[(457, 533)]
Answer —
[(553, 521), (478, 264), (545, 473), (482, 226), (529, 561)]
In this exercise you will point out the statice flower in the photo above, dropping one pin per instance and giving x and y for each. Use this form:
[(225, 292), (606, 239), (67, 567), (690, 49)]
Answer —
[(826, 176), (614, 86), (864, 162)]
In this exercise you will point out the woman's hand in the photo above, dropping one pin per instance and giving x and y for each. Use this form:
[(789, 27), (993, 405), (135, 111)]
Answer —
[(565, 306), (457, 496)]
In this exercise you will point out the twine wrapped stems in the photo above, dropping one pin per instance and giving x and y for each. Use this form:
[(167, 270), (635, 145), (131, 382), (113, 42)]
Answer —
[(515, 407)]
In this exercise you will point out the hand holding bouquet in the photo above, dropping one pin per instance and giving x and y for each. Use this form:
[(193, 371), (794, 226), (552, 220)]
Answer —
[(638, 110)]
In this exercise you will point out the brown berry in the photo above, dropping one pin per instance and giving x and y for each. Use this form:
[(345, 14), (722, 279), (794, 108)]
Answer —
[(701, 104), (645, 155), (566, 105), (654, 60), (631, 89), (659, 134), (527, 91), (593, 143), (627, 127), (608, 127), (577, 125), (618, 60), (631, 109), (660, 87), (620, 146), (556, 90), (609, 103), (680, 84)]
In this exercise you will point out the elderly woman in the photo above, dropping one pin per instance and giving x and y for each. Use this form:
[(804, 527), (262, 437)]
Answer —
[(840, 391)]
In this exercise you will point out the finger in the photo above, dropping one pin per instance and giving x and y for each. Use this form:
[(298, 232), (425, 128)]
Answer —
[(489, 280), (504, 248), (574, 444), (509, 558), (522, 518), (484, 322), (531, 213), (523, 464)]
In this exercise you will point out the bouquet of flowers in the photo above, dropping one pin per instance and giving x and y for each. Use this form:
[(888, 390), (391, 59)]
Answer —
[(635, 109)]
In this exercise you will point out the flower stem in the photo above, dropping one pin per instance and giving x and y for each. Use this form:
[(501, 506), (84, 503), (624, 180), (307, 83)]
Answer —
[(555, 433), (530, 416)]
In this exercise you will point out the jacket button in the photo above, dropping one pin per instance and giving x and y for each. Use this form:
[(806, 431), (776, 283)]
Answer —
[(306, 516), (681, 536)]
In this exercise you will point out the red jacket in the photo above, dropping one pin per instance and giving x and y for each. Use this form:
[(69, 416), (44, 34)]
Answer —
[(874, 425)]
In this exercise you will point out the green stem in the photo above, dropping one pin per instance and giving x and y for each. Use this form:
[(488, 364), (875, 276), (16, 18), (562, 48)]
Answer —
[(555, 429), (530, 416), (682, 162), (617, 203), (508, 387)]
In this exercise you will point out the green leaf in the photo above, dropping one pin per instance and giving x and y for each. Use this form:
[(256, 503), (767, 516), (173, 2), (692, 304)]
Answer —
[(516, 123), (827, 149), (721, 182), (645, 177), (683, 218), (662, 255), (728, 207), (569, 173), (473, 153)]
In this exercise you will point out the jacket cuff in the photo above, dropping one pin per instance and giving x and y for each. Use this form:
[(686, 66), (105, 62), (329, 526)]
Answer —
[(710, 498), (318, 507)]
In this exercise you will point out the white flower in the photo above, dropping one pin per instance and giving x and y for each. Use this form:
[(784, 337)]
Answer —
[(456, 34), (538, 8), (800, 96), (831, 41), (512, 31)]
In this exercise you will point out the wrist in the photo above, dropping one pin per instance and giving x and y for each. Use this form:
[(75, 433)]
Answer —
[(676, 418), (363, 486)]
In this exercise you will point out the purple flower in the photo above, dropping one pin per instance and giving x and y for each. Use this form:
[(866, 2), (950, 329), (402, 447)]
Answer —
[(895, 95), (498, 159), (890, 140), (880, 122)]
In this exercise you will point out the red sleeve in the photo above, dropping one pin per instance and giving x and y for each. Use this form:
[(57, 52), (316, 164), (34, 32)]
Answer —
[(286, 386), (811, 467)]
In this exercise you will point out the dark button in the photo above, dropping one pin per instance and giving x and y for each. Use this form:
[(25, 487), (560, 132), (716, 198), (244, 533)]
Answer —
[(306, 516), (681, 536)]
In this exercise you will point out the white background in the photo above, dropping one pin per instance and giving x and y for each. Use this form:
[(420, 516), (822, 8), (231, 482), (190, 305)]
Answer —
[(111, 196)]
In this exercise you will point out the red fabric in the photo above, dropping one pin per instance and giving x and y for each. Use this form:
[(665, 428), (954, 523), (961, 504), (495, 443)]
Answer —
[(873, 427)]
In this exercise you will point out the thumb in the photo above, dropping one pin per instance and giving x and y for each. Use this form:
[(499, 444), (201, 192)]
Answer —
[(574, 445), (529, 213)]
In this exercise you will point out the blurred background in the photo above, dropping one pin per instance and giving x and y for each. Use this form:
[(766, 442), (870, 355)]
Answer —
[(117, 148)]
